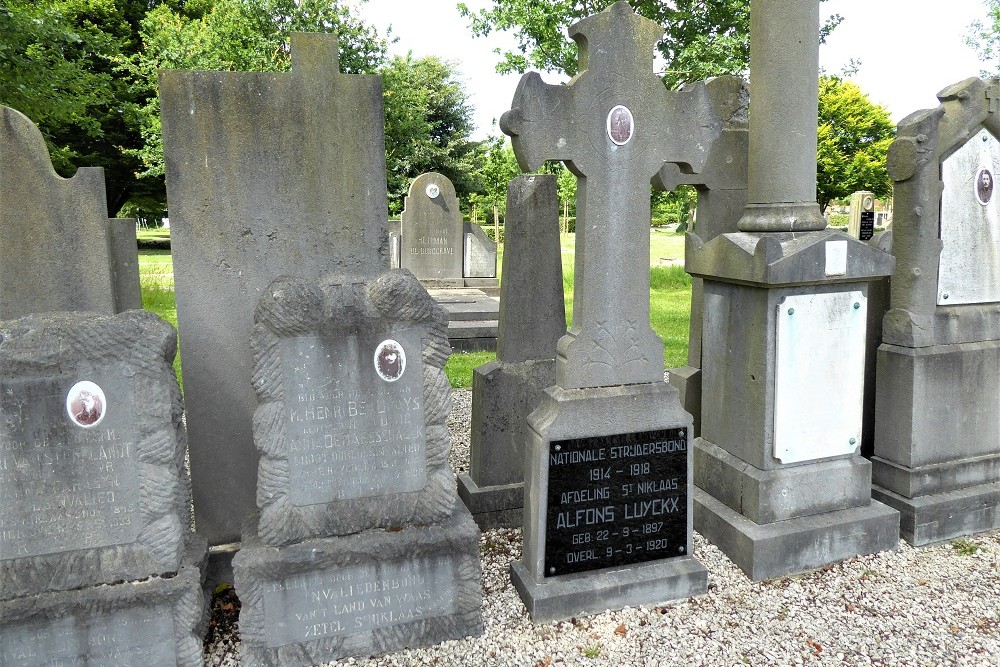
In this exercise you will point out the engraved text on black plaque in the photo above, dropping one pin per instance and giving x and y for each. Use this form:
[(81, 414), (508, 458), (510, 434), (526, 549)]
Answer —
[(867, 229), (615, 500)]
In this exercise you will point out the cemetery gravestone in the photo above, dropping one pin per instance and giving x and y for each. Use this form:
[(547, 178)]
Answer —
[(532, 319), (267, 174), (937, 413), (432, 231), (360, 547), (722, 196), (88, 261), (94, 495), (861, 224), (781, 485), (609, 443)]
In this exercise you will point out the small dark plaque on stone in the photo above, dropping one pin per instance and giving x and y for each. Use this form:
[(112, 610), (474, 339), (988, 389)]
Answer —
[(867, 229), (616, 500)]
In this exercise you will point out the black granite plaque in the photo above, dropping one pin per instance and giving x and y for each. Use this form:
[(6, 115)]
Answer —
[(615, 500), (867, 229)]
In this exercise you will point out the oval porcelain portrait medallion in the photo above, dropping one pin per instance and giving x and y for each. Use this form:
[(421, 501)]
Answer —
[(390, 360), (620, 125), (86, 404)]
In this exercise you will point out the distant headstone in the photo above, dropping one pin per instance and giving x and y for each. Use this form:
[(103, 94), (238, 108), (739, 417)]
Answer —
[(532, 320), (267, 174), (480, 253), (432, 230), (782, 487), (360, 547), (861, 224), (59, 250), (937, 423), (722, 196), (610, 442), (94, 495)]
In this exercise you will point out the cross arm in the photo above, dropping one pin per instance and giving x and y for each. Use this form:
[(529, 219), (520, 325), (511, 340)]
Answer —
[(539, 122)]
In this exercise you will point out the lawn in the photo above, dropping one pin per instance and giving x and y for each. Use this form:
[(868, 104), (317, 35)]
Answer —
[(669, 299)]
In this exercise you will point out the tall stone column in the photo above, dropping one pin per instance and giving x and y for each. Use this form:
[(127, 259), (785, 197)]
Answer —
[(784, 70), (781, 485)]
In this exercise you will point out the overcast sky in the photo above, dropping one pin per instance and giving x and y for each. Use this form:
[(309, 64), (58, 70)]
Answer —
[(909, 49)]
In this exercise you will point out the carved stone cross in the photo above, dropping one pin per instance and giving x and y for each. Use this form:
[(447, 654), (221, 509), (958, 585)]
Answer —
[(614, 125), (992, 97)]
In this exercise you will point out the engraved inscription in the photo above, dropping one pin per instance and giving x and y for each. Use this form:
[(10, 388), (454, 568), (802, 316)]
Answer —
[(133, 637), (63, 487), (433, 245), (350, 433), (359, 598), (615, 500)]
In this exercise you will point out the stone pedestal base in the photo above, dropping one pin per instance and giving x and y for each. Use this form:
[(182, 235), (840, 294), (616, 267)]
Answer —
[(364, 594), (569, 414), (651, 583), (499, 506), (764, 551), (944, 516), (156, 621)]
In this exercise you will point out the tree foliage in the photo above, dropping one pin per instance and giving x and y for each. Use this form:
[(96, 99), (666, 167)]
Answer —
[(428, 124), (703, 38), (984, 38), (853, 137), (497, 168)]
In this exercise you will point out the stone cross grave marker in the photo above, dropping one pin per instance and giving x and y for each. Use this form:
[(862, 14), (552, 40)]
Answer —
[(607, 517), (615, 125)]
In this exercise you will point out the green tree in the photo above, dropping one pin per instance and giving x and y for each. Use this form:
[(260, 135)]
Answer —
[(703, 38), (498, 168), (428, 124), (853, 137), (984, 38)]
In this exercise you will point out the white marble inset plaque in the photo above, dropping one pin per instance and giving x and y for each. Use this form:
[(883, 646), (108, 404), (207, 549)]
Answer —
[(969, 266), (819, 375), (836, 258), (355, 599)]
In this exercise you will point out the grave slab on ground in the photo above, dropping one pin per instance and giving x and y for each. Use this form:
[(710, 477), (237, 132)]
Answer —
[(937, 405)]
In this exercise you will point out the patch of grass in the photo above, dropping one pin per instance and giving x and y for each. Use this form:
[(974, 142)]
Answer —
[(156, 279), (965, 547), (152, 233), (461, 364), (592, 651)]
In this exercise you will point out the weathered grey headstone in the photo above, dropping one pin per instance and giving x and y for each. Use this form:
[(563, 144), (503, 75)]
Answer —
[(861, 223), (59, 250), (610, 442), (267, 174), (782, 487), (532, 320), (722, 197), (480, 253), (432, 231), (97, 561), (937, 407), (157, 621), (361, 546), (92, 481)]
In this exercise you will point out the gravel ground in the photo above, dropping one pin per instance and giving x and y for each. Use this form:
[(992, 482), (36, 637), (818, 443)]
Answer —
[(936, 605)]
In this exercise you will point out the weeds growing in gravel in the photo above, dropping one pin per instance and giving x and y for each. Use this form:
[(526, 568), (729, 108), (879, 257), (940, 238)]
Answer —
[(965, 547), (592, 651)]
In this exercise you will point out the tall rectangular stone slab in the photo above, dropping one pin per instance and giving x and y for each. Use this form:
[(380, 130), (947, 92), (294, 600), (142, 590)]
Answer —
[(480, 260), (267, 174), (58, 248), (157, 621), (937, 412), (610, 443), (92, 482), (433, 233), (532, 319)]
